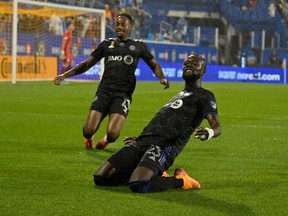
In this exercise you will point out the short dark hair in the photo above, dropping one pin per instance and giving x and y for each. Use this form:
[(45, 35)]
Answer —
[(127, 15), (198, 56), (200, 59)]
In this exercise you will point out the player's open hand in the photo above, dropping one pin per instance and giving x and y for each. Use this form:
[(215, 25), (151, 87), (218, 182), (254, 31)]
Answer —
[(129, 139), (165, 82), (58, 79), (201, 133)]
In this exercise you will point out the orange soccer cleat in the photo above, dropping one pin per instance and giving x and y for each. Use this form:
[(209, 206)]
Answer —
[(188, 182), (89, 142), (102, 143)]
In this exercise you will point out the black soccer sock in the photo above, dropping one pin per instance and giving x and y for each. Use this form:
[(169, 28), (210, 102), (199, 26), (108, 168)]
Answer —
[(159, 183), (156, 184), (111, 139), (87, 135)]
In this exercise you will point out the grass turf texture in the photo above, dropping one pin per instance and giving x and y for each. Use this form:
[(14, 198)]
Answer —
[(45, 169)]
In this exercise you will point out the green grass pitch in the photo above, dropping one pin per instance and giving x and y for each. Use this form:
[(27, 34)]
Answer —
[(45, 169)]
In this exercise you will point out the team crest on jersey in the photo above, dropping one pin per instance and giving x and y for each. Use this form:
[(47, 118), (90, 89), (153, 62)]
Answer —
[(176, 104), (132, 47), (213, 104), (128, 59)]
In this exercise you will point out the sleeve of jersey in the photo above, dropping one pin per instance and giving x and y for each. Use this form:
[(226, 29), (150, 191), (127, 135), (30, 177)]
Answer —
[(209, 104), (146, 54), (99, 53)]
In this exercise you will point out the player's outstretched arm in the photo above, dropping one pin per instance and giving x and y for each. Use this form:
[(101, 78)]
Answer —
[(207, 133), (157, 70), (79, 69)]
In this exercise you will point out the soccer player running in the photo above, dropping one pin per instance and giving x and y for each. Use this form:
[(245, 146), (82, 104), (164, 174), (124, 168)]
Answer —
[(142, 162), (114, 94), (66, 54)]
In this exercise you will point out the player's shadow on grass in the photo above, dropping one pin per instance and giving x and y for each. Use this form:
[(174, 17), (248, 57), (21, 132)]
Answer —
[(105, 153), (102, 154), (189, 198)]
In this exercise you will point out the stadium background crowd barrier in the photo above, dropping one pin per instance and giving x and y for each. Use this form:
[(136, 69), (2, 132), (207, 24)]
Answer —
[(171, 55)]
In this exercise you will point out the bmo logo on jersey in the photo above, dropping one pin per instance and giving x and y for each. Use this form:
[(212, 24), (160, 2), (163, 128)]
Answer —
[(128, 59), (114, 58)]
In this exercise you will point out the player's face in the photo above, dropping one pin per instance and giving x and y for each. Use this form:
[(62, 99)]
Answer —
[(193, 68), (122, 27)]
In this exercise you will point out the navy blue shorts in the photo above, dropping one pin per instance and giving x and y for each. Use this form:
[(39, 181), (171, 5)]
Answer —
[(143, 153)]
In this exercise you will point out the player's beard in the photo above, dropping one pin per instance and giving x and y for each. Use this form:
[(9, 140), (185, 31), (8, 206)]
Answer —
[(189, 75)]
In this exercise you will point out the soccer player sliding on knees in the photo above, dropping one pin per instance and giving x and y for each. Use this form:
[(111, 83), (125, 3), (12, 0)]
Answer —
[(142, 162)]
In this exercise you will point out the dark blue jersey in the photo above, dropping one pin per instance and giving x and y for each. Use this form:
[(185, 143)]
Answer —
[(121, 59), (178, 119)]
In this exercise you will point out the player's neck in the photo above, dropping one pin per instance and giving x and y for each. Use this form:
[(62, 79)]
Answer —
[(122, 39), (193, 84)]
